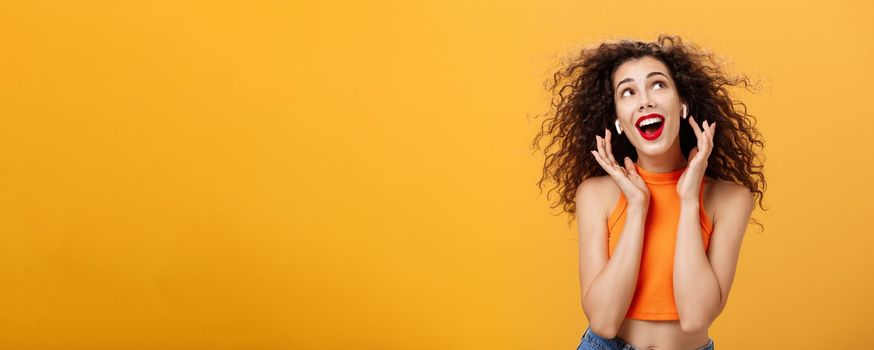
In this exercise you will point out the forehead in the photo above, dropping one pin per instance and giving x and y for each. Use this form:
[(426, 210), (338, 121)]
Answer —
[(638, 68)]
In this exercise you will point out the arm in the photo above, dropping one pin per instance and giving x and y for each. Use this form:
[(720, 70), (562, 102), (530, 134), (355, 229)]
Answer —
[(696, 291), (607, 285), (702, 282)]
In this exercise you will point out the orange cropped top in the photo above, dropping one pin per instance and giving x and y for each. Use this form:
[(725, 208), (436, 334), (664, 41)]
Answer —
[(654, 294)]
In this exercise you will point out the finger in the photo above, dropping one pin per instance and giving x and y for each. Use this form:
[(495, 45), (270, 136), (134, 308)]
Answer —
[(705, 152), (711, 139), (703, 136), (602, 151), (630, 168), (610, 147), (611, 168), (603, 162), (598, 158), (695, 128), (712, 129), (709, 142), (710, 133), (599, 148)]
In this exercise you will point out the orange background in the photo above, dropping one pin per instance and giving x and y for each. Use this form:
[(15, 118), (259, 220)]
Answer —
[(274, 175)]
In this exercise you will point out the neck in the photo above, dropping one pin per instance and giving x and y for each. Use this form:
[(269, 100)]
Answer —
[(666, 162)]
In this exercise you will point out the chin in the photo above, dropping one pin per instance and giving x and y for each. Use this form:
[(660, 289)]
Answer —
[(655, 147), (651, 150)]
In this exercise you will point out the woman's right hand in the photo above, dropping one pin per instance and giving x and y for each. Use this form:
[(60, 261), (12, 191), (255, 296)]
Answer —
[(626, 177)]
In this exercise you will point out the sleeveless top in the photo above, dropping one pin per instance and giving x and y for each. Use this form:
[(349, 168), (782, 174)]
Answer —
[(654, 294)]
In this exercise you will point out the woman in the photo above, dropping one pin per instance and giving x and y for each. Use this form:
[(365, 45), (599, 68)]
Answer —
[(665, 201)]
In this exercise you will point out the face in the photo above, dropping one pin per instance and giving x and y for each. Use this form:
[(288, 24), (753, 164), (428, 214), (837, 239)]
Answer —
[(644, 91)]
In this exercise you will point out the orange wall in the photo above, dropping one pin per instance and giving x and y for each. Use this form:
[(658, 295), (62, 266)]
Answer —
[(274, 175)]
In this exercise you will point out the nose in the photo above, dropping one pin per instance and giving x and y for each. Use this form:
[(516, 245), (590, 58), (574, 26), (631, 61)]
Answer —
[(646, 101)]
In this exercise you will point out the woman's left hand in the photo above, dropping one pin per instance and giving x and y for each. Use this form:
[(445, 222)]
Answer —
[(689, 184)]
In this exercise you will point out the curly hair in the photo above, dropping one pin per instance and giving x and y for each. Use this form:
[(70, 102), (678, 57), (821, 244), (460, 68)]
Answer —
[(583, 106)]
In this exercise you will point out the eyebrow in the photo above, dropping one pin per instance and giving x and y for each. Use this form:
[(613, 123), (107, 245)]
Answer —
[(647, 76)]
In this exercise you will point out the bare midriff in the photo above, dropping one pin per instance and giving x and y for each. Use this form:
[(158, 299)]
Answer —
[(662, 335)]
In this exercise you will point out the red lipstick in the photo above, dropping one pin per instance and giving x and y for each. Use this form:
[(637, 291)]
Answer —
[(652, 134)]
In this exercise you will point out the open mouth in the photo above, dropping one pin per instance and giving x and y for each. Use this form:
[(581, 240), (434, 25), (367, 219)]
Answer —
[(650, 126)]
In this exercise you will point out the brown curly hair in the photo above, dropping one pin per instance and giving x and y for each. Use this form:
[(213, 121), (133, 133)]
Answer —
[(583, 107)]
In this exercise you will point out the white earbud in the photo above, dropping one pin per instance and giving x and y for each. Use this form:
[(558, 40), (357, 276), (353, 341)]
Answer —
[(618, 128)]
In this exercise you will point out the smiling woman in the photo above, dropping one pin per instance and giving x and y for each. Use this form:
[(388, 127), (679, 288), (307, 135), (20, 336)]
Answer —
[(660, 230)]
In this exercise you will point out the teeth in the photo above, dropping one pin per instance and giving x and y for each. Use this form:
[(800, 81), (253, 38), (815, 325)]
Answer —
[(649, 121)]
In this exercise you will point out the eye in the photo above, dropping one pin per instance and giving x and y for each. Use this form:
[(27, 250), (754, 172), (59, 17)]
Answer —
[(654, 84)]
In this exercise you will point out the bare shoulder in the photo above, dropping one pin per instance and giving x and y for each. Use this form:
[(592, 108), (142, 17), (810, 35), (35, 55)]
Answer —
[(726, 197), (722, 189), (602, 191)]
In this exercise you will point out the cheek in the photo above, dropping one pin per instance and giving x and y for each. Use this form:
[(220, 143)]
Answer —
[(677, 125), (623, 109)]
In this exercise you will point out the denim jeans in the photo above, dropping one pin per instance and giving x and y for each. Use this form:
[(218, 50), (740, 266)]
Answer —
[(592, 341)]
